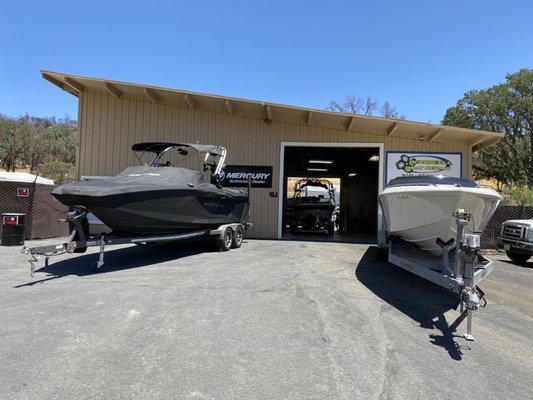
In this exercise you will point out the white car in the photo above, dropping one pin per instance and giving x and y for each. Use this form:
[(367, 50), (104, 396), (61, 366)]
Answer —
[(517, 239)]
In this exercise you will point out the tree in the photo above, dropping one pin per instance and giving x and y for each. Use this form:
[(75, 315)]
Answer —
[(58, 171), (389, 111), (59, 142), (364, 106), (13, 139), (519, 195), (507, 108), (44, 145)]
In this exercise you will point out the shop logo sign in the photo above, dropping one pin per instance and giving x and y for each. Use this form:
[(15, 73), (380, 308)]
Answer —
[(423, 164), (404, 163)]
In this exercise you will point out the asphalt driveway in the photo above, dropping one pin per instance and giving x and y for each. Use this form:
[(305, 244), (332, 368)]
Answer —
[(272, 320)]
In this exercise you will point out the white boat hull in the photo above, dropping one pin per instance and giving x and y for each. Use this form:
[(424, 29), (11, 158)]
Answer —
[(422, 214)]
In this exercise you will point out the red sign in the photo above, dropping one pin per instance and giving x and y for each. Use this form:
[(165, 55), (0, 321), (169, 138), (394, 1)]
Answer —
[(273, 195), (23, 192), (8, 220)]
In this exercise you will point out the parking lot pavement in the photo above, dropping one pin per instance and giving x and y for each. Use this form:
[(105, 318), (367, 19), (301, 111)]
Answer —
[(272, 320)]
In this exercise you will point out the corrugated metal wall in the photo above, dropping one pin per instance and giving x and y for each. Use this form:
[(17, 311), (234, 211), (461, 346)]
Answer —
[(109, 126)]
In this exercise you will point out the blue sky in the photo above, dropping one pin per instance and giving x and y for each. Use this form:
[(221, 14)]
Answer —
[(419, 55)]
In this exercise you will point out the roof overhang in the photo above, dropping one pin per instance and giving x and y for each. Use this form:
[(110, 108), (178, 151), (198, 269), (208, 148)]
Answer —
[(270, 112)]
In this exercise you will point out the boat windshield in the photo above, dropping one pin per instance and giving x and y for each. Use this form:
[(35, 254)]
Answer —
[(208, 158), (429, 180)]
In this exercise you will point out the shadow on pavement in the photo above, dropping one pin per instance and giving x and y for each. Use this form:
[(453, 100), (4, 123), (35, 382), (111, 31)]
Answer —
[(120, 259), (362, 238), (527, 264), (417, 298)]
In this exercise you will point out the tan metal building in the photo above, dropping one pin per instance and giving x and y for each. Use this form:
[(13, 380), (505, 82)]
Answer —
[(112, 116)]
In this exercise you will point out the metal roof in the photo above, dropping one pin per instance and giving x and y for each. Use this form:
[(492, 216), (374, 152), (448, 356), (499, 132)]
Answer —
[(273, 112)]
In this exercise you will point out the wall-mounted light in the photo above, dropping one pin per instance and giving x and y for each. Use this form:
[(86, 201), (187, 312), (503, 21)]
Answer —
[(352, 174), (318, 169), (375, 157), (320, 161)]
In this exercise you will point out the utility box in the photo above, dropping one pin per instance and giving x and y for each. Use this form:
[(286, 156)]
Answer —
[(31, 195), (13, 229)]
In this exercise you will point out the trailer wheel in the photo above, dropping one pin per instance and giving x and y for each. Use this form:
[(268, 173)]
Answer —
[(237, 237), (224, 242)]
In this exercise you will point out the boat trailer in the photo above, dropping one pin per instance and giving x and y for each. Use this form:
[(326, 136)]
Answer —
[(225, 236), (460, 274)]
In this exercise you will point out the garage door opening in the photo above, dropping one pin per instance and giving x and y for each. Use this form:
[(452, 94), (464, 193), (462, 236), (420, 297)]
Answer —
[(329, 193)]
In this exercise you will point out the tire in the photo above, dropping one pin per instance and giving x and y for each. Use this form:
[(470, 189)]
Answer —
[(237, 237), (224, 242), (517, 258)]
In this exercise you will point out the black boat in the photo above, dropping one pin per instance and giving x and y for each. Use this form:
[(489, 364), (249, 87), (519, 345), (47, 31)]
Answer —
[(161, 197), (309, 210)]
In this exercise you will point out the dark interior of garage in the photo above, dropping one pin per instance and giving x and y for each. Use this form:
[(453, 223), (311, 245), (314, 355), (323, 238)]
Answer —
[(354, 175)]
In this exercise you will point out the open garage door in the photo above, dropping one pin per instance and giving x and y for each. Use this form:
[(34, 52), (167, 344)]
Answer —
[(328, 192)]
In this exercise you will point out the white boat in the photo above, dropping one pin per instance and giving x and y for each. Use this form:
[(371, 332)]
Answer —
[(419, 209)]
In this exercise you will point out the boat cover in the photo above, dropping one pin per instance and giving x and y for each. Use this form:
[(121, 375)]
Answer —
[(140, 179)]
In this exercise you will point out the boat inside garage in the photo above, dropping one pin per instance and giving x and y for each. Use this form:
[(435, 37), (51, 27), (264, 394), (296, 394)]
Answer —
[(345, 177)]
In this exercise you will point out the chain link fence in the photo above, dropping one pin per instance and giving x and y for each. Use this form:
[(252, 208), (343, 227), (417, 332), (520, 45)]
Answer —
[(502, 214)]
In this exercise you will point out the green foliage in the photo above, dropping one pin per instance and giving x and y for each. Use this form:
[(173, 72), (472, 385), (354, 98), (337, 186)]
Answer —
[(518, 195), (43, 145), (59, 171), (505, 108), (13, 137)]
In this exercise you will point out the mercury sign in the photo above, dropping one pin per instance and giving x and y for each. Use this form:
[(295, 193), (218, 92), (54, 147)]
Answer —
[(238, 175), (400, 163)]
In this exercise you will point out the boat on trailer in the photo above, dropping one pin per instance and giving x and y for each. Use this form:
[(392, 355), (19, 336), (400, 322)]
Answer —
[(155, 203), (312, 207), (162, 197), (433, 227)]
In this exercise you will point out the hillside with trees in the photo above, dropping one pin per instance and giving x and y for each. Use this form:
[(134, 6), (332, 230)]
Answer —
[(43, 146)]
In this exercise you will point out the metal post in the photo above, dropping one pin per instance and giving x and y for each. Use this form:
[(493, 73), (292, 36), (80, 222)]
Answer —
[(468, 294), (470, 248), (100, 261), (463, 216), (468, 335), (445, 261), (457, 264)]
